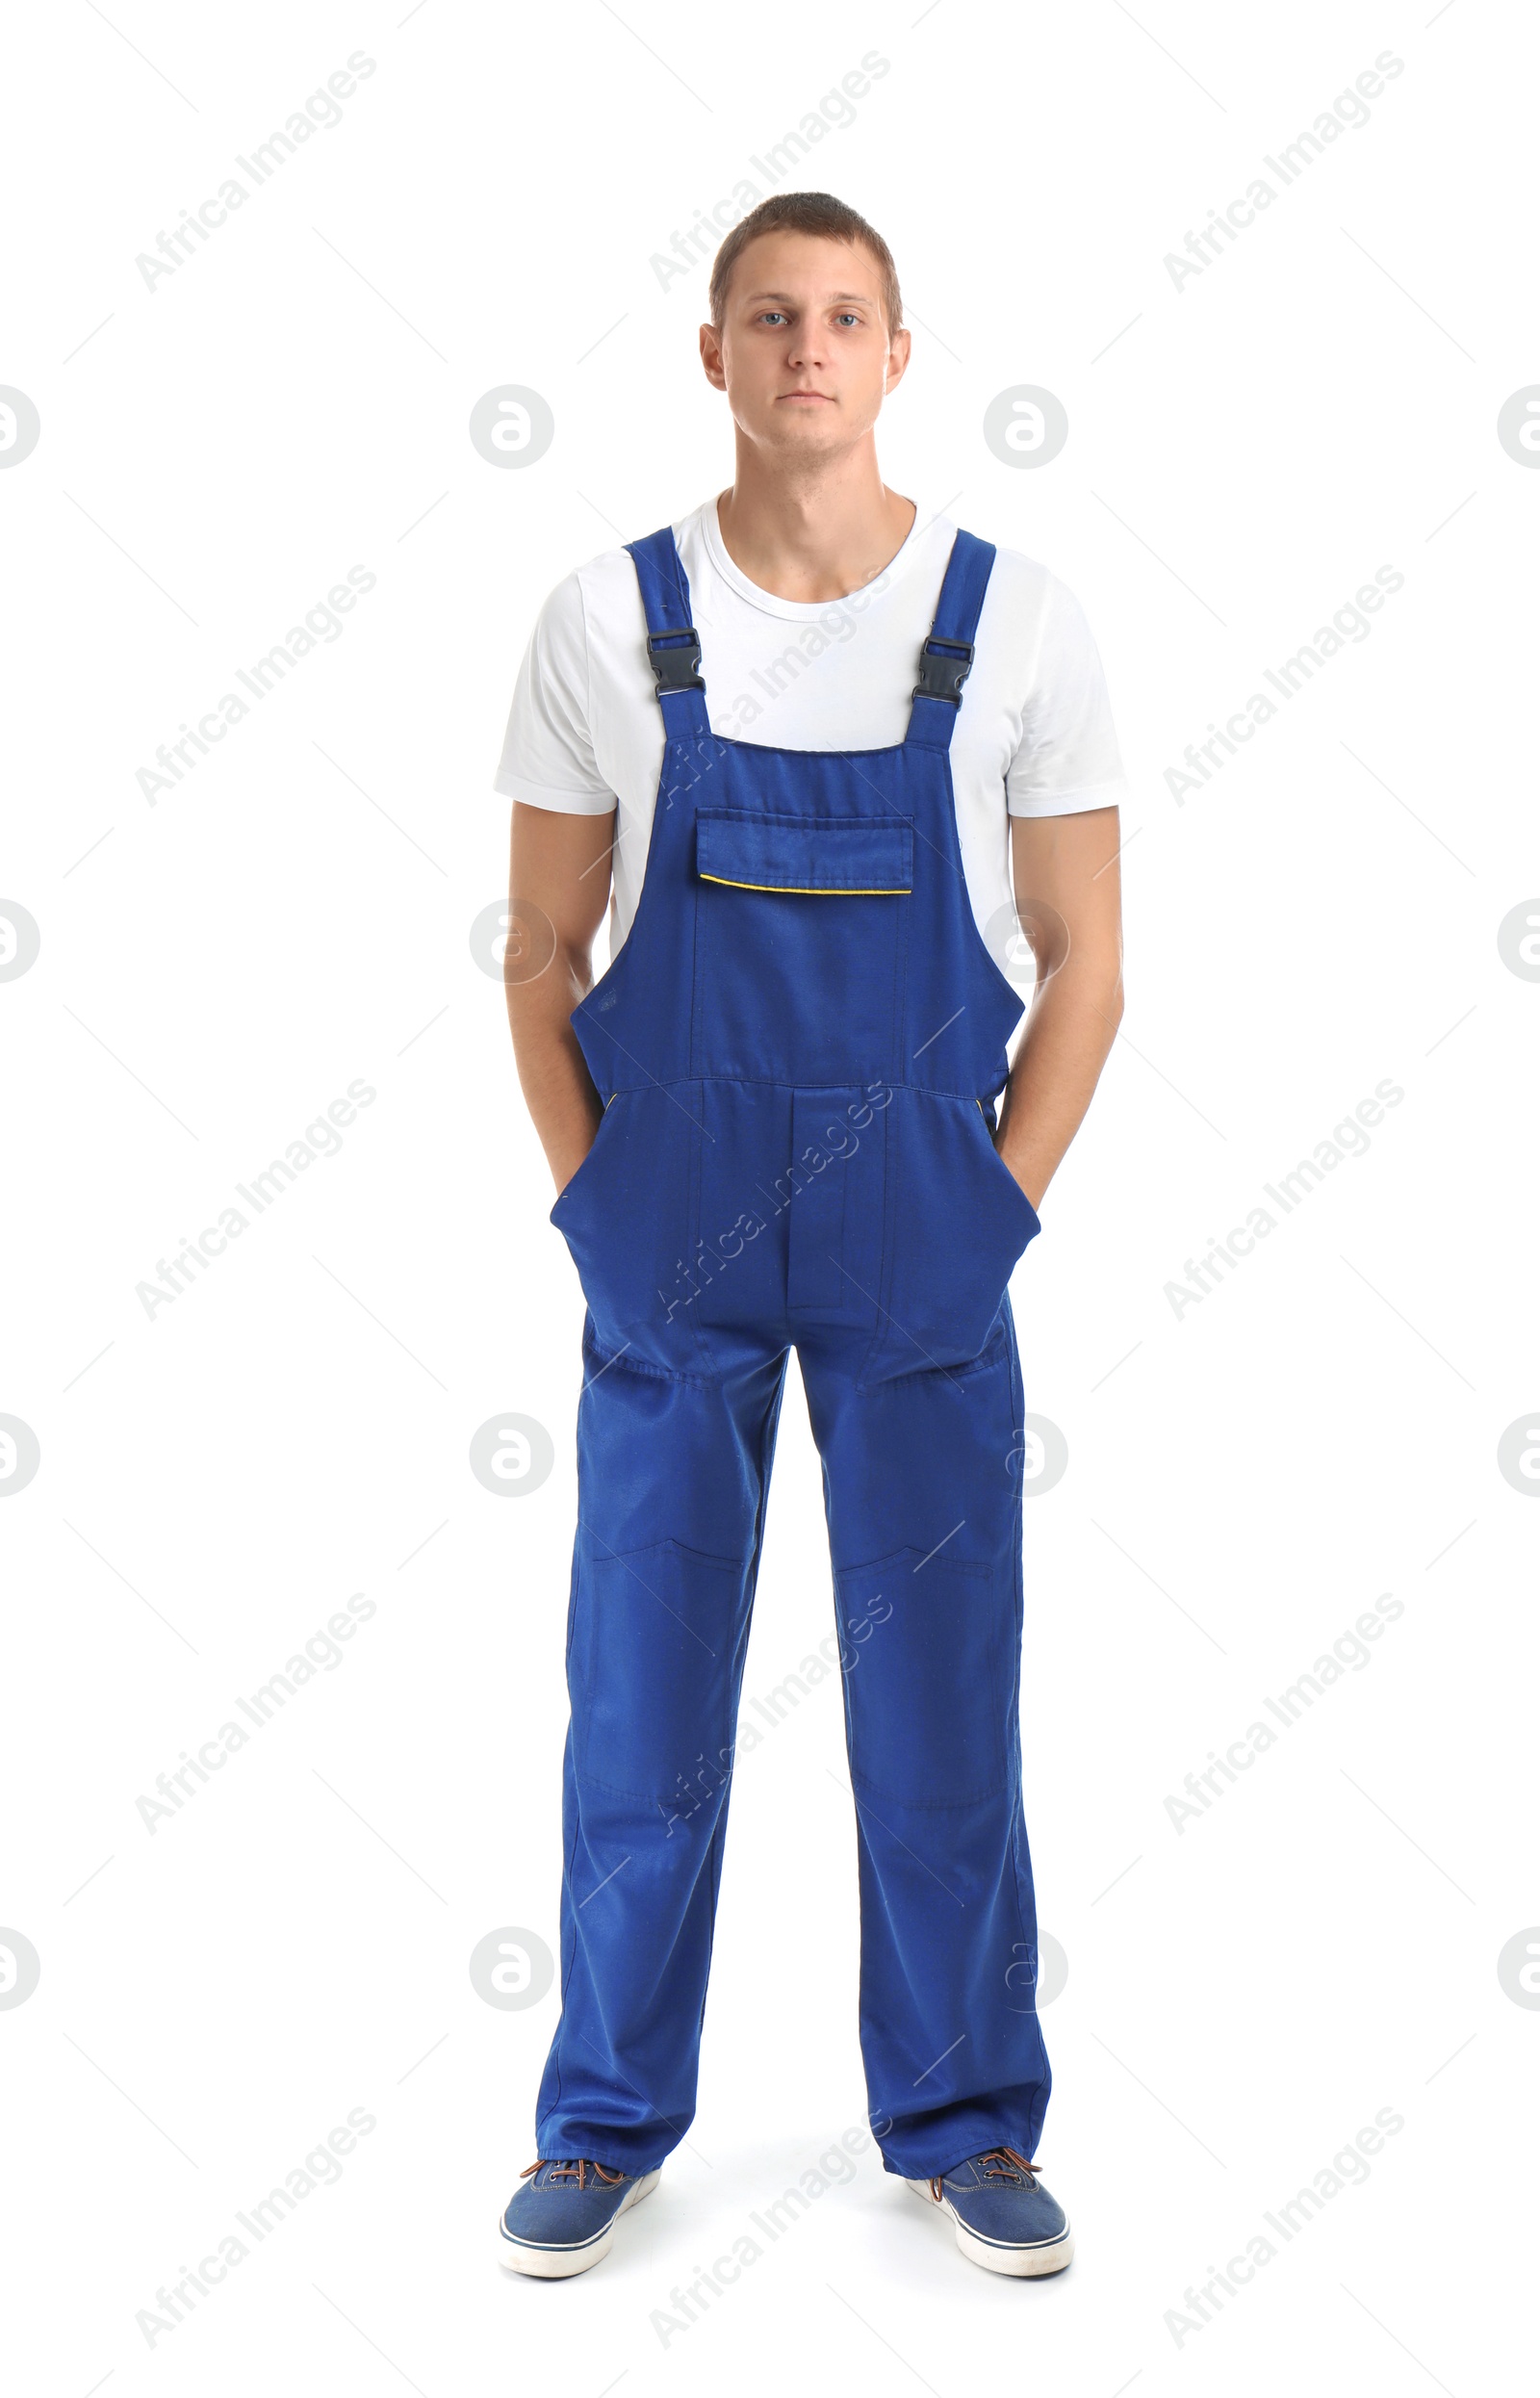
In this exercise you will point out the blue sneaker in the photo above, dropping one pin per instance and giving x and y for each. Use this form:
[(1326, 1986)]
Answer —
[(1006, 2219), (564, 2220)]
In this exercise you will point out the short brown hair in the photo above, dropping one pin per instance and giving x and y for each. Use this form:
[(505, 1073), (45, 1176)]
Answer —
[(806, 212)]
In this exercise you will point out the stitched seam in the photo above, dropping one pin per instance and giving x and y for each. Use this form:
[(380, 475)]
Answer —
[(775, 1082), (697, 1182), (983, 1363), (622, 1789), (681, 1548), (926, 1806), (803, 820), (815, 891), (892, 1557), (1020, 1865), (765, 749), (620, 1361)]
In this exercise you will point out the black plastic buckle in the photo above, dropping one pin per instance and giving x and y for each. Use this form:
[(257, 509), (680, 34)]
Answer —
[(675, 660), (942, 675)]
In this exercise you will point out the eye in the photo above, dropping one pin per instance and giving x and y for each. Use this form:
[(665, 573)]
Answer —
[(767, 313), (848, 315)]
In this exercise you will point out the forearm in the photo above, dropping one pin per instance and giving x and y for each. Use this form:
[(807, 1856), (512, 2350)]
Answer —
[(559, 882), (554, 1075), (1070, 1034)]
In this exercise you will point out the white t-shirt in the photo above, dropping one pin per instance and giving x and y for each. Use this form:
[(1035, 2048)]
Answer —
[(1033, 735)]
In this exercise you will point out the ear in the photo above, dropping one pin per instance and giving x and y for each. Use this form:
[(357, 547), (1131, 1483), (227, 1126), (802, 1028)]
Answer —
[(711, 359)]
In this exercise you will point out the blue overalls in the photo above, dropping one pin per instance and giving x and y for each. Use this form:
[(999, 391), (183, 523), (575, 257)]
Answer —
[(799, 1046)]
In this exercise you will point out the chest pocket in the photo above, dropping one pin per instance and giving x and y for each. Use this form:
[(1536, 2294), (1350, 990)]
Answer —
[(812, 857), (802, 922)]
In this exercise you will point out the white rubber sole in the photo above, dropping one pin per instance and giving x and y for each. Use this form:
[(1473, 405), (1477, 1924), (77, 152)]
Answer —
[(556, 2264), (1002, 2256)]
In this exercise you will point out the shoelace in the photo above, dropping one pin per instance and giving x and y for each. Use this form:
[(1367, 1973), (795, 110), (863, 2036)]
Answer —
[(575, 2168), (1002, 2164)]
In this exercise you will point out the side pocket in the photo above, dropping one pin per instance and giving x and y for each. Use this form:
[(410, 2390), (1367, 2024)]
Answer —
[(572, 1180), (1033, 1222), (628, 1219), (955, 1226)]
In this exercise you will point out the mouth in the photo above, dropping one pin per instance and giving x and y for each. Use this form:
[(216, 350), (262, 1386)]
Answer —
[(825, 399)]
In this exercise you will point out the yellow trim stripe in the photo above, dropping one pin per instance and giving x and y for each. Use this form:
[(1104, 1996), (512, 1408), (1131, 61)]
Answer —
[(819, 890)]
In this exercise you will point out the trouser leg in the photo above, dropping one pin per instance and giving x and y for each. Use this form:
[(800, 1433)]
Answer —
[(671, 1482), (924, 1498)]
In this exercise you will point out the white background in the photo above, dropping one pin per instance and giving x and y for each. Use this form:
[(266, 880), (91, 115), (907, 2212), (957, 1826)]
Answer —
[(1243, 1479)]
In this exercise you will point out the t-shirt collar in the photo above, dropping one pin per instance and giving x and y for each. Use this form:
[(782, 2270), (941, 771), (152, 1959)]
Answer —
[(771, 604)]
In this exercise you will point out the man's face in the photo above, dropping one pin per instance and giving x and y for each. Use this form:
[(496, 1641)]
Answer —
[(803, 354)]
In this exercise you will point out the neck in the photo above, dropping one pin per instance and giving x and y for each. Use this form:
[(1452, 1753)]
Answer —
[(812, 533)]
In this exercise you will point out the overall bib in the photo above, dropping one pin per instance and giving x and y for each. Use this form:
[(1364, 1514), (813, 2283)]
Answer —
[(799, 1046)]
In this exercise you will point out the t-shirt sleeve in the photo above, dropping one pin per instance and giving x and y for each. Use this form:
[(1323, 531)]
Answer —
[(1068, 760), (547, 752)]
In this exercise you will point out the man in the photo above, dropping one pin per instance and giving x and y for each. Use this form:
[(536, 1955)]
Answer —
[(809, 745)]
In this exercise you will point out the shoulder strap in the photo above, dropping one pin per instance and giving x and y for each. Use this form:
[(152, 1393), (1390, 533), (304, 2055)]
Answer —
[(946, 657), (672, 644)]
